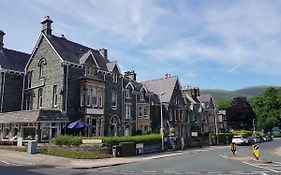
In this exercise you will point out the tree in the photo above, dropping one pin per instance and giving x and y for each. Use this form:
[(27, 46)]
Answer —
[(240, 114), (222, 103), (268, 109)]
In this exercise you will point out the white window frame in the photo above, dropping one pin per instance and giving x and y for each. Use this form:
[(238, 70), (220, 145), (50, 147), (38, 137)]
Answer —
[(114, 77), (55, 95), (40, 98), (42, 69), (127, 111), (114, 99), (142, 96), (127, 93)]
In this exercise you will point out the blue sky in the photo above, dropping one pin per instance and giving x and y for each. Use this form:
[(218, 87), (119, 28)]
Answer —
[(222, 44)]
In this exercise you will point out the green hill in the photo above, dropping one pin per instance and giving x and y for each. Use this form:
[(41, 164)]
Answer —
[(246, 92)]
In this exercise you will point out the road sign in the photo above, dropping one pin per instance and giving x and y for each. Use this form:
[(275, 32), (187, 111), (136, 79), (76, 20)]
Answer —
[(256, 151), (233, 148)]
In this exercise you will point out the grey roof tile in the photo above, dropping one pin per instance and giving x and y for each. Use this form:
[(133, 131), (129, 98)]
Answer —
[(13, 60), (165, 85), (32, 116), (72, 52)]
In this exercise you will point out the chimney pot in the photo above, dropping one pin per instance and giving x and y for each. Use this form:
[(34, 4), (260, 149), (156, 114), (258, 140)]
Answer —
[(103, 52), (46, 25), (1, 39), (131, 75)]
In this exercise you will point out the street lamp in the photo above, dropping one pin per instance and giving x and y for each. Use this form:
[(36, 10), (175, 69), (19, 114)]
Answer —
[(254, 132), (161, 129)]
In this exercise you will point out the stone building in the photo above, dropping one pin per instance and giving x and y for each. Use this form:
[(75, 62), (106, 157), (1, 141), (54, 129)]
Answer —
[(171, 98), (136, 105)]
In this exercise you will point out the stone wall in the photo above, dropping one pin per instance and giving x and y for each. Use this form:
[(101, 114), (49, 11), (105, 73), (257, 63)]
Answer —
[(93, 148), (12, 92)]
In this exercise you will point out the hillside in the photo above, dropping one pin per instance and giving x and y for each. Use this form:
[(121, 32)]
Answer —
[(246, 92)]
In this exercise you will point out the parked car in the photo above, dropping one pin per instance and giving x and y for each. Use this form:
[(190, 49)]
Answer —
[(257, 139), (276, 132), (240, 140)]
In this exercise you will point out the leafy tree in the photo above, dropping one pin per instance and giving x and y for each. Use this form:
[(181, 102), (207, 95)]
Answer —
[(222, 103), (240, 114), (268, 108)]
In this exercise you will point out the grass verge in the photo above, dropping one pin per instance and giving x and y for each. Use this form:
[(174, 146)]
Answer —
[(61, 153)]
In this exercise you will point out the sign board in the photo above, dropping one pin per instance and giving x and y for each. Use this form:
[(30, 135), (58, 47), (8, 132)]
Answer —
[(91, 141), (19, 142), (194, 134), (233, 148), (139, 145), (256, 151)]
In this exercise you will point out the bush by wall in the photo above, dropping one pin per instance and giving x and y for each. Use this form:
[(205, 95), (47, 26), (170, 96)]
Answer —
[(67, 140), (242, 132), (223, 138), (149, 139)]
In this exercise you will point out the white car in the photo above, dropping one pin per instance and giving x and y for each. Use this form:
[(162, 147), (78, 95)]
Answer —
[(240, 140)]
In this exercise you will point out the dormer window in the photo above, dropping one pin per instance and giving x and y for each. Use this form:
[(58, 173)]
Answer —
[(115, 77), (127, 93), (142, 96), (176, 100), (42, 66), (89, 70)]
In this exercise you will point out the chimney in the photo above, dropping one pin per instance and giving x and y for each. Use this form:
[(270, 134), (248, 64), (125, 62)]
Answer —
[(46, 25), (131, 75), (1, 39), (103, 52)]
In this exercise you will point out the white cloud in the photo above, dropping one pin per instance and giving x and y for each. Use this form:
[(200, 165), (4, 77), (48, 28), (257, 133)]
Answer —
[(244, 33)]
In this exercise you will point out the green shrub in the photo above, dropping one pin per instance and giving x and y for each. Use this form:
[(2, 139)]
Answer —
[(242, 132), (146, 139), (67, 140), (223, 138), (73, 154)]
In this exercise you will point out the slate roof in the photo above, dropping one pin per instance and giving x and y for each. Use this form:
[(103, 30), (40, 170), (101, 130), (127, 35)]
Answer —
[(32, 116), (137, 85), (72, 52), (111, 65), (205, 98), (165, 85), (13, 60)]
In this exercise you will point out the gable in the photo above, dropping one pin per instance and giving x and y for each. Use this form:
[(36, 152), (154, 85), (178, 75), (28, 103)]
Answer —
[(43, 44), (89, 59), (129, 85)]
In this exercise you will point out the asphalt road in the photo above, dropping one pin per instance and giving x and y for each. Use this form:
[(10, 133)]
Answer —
[(204, 161)]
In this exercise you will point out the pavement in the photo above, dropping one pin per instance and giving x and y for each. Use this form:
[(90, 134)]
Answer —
[(25, 159)]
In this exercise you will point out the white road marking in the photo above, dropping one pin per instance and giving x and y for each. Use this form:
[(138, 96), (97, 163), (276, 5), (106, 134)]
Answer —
[(263, 173), (7, 163), (265, 168)]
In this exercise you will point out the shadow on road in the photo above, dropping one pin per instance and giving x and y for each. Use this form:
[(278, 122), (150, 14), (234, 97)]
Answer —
[(37, 170)]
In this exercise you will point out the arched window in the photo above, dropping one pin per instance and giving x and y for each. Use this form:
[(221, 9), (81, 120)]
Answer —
[(42, 67)]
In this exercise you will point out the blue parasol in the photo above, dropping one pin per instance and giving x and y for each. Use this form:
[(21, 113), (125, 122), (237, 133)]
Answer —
[(78, 124)]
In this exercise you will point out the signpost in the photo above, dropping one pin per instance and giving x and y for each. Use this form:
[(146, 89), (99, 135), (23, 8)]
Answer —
[(233, 148), (256, 151)]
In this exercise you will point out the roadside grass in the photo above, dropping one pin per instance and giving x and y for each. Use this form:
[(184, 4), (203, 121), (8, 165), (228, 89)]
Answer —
[(61, 153), (73, 154), (14, 148)]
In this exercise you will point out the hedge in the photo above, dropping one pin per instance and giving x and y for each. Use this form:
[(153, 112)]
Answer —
[(223, 138), (67, 140), (109, 141), (149, 139), (242, 132)]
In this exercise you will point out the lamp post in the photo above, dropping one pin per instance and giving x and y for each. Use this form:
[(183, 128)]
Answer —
[(254, 132), (161, 129)]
